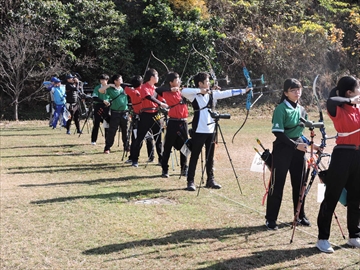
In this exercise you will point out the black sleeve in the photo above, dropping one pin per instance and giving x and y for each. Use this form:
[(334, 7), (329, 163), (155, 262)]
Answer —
[(153, 99), (162, 89), (333, 102), (123, 85), (285, 139)]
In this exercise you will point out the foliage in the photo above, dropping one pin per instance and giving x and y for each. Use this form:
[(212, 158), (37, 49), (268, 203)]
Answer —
[(277, 38), (24, 59)]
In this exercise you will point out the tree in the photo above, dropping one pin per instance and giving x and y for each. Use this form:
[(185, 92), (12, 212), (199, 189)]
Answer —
[(24, 59)]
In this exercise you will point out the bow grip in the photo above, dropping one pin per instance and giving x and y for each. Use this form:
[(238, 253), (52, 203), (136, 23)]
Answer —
[(248, 99)]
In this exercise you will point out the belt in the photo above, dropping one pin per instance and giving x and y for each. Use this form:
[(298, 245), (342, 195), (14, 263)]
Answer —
[(347, 146), (178, 119), (115, 111)]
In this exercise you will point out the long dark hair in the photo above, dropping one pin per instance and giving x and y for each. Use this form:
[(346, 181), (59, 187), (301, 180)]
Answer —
[(289, 84), (149, 73), (344, 84), (171, 76)]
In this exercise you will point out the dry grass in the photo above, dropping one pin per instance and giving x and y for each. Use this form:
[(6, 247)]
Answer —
[(66, 205)]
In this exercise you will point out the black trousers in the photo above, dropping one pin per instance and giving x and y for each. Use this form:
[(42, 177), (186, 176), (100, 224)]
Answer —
[(198, 141), (343, 172), (285, 158), (149, 141), (75, 115), (147, 123), (97, 121), (172, 139), (118, 119)]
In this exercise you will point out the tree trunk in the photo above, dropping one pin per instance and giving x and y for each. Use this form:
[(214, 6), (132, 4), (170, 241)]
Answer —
[(16, 108)]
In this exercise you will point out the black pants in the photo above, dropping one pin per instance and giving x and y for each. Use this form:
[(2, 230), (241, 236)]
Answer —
[(75, 115), (147, 123), (149, 141), (344, 171), (198, 141), (285, 158), (97, 120), (172, 139), (117, 119)]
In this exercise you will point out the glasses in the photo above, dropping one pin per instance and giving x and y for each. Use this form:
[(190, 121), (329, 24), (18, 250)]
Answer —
[(293, 90)]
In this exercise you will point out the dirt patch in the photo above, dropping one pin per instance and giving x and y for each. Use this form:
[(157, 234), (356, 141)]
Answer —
[(155, 201)]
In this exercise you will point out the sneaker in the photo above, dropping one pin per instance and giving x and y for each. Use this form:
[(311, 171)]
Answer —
[(190, 186), (271, 225), (93, 143), (128, 161), (354, 242), (68, 132), (79, 132), (304, 221), (165, 174), (135, 164), (212, 184), (324, 246), (150, 160), (107, 152)]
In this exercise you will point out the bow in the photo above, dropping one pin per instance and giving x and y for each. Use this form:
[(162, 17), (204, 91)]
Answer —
[(211, 71), (321, 117), (152, 54), (248, 98)]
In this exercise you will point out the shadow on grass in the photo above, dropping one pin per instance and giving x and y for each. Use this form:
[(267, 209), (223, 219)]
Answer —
[(26, 129), (60, 153), (93, 182), (266, 257), (187, 237), (107, 196), (53, 146), (70, 168), (27, 135), (193, 237)]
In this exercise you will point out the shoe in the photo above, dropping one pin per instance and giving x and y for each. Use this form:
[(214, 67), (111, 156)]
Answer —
[(93, 143), (304, 221), (271, 225), (324, 246), (68, 132), (150, 160), (79, 132), (135, 164), (354, 242), (107, 152), (184, 171), (165, 174), (212, 184), (128, 161), (190, 186)]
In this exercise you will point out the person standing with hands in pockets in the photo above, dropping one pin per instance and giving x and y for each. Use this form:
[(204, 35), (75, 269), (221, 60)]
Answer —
[(343, 107)]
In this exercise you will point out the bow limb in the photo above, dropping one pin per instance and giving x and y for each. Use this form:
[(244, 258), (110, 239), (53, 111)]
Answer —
[(187, 60), (248, 99), (152, 54), (317, 99), (212, 72), (321, 118)]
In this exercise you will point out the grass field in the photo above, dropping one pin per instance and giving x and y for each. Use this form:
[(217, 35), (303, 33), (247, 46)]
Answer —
[(66, 205)]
